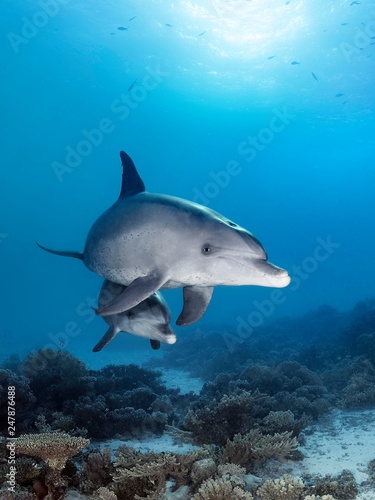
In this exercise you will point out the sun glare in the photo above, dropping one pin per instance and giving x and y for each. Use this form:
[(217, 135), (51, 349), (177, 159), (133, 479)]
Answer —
[(240, 26)]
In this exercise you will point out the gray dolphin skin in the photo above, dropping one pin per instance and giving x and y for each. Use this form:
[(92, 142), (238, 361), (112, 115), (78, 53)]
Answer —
[(149, 319), (148, 242)]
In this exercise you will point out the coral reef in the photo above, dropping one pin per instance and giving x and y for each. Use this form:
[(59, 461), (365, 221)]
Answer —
[(96, 470), (219, 421), (254, 446), (228, 483), (260, 393), (285, 488), (203, 469), (143, 474), (220, 489), (284, 421), (341, 487), (116, 400), (103, 493), (315, 497), (53, 447)]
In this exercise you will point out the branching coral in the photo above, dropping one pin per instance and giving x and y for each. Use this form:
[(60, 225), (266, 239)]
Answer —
[(360, 390), (219, 421), (314, 497), (253, 446), (228, 483), (282, 421), (146, 473), (220, 489), (103, 493), (342, 487), (285, 488), (96, 470)]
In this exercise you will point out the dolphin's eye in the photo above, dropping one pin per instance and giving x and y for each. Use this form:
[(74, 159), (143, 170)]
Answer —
[(206, 249), (130, 314)]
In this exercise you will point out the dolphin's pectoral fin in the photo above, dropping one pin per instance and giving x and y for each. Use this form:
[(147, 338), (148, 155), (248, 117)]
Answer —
[(132, 295), (155, 344), (196, 300), (106, 339)]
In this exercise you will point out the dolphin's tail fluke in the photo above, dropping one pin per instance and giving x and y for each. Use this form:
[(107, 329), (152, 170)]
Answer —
[(63, 253)]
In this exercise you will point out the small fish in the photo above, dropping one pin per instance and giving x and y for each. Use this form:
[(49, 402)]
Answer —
[(345, 102), (344, 24), (314, 76), (201, 34), (287, 3), (122, 28), (131, 19), (355, 3), (293, 63), (132, 85), (169, 25), (339, 95), (271, 57)]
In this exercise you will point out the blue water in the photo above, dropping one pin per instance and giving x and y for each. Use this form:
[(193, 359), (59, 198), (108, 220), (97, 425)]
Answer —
[(206, 99)]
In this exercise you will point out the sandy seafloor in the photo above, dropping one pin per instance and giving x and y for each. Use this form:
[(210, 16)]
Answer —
[(340, 440)]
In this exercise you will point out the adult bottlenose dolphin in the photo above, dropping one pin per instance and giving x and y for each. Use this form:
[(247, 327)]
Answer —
[(149, 319), (148, 241)]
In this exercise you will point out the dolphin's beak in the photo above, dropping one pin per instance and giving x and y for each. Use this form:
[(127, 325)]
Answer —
[(276, 276), (167, 335)]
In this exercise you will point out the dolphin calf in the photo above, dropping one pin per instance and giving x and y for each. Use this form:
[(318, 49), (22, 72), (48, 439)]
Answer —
[(148, 242), (149, 319)]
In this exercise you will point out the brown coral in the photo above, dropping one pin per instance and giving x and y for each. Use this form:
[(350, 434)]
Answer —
[(96, 470), (52, 447), (141, 473), (343, 486), (221, 489), (221, 420), (103, 493), (253, 446), (314, 497), (285, 488)]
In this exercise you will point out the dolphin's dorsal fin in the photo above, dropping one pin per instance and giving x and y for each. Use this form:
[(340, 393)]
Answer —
[(131, 181)]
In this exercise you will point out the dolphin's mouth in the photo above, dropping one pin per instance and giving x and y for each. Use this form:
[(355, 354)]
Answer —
[(273, 275)]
